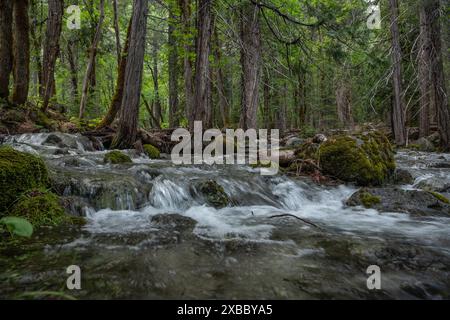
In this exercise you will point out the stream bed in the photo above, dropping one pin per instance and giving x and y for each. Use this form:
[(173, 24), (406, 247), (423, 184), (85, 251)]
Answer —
[(150, 236)]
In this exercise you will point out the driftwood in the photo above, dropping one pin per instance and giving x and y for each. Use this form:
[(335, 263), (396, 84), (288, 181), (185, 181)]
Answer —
[(295, 217)]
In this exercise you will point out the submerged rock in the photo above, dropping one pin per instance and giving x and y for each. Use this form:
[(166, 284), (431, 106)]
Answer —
[(366, 159), (414, 202), (174, 222), (402, 176), (117, 157), (213, 193), (19, 172)]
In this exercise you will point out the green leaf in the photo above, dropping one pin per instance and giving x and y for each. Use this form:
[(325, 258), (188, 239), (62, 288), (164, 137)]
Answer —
[(18, 226)]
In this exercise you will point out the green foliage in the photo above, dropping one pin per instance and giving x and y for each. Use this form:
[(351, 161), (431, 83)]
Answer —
[(17, 226), (151, 151), (116, 157), (19, 172), (40, 207)]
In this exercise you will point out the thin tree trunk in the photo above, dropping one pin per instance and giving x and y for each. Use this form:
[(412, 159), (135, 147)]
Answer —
[(157, 109), (129, 113), (6, 43), (117, 31), (71, 47), (185, 8), (173, 72), (51, 49), (266, 94), (398, 114), (223, 102), (118, 95), (91, 63), (424, 74), (344, 102), (201, 104), (250, 60)]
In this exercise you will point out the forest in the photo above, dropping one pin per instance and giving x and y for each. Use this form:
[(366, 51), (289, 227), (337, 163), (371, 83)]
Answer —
[(91, 92)]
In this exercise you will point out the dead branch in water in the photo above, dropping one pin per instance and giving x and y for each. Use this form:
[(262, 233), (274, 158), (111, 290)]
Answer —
[(292, 216)]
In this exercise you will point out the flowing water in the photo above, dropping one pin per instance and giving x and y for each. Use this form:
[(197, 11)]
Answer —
[(149, 234)]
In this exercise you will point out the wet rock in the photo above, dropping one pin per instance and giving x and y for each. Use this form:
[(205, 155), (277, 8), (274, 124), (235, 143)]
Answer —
[(434, 183), (423, 144), (366, 159), (414, 202), (75, 206), (213, 193), (174, 222), (54, 140), (151, 151), (402, 176)]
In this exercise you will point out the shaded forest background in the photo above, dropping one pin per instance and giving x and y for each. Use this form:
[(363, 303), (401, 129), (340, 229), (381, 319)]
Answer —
[(283, 64)]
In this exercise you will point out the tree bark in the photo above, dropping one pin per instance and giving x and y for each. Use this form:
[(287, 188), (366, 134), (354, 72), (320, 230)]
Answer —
[(51, 49), (118, 95), (157, 109), (117, 31), (424, 73), (129, 113), (344, 102), (91, 63), (6, 43), (437, 73), (223, 102), (250, 60), (71, 57), (185, 8), (201, 102), (173, 72)]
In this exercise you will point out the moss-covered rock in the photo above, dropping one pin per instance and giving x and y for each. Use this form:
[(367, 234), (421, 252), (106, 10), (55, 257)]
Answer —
[(369, 200), (213, 193), (19, 172), (116, 157), (366, 159), (151, 151), (40, 207)]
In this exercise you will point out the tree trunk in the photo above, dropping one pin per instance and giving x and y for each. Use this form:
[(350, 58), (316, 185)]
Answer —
[(129, 113), (424, 74), (185, 8), (223, 102), (250, 60), (91, 62), (199, 111), (6, 42), (51, 49), (398, 114), (266, 94), (173, 72), (157, 109), (117, 31), (344, 102), (118, 95), (71, 47), (437, 73)]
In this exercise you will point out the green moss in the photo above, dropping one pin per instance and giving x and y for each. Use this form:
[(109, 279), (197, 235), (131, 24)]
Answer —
[(368, 199), (440, 197), (214, 193), (367, 159), (151, 151), (40, 207), (19, 172), (116, 157)]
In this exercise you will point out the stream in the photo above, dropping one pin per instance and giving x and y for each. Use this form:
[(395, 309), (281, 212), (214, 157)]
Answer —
[(150, 236)]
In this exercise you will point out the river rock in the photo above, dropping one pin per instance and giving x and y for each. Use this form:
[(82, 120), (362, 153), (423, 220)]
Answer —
[(423, 144), (435, 184), (213, 193), (294, 142), (414, 202), (402, 176)]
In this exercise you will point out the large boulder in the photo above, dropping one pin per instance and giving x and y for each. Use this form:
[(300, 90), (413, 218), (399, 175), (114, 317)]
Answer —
[(414, 202), (365, 159), (19, 172)]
